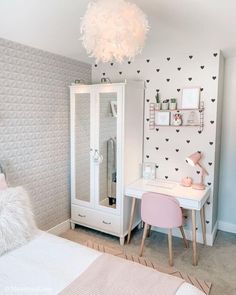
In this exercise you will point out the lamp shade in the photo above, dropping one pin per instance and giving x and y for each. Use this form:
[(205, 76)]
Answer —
[(194, 159)]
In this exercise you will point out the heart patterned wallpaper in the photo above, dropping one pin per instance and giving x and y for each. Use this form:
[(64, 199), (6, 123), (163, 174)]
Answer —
[(168, 147), (34, 125)]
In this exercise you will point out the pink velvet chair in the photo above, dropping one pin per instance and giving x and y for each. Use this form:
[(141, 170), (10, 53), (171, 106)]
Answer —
[(161, 211)]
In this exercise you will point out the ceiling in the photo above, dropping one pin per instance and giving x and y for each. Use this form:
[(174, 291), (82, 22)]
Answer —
[(176, 25)]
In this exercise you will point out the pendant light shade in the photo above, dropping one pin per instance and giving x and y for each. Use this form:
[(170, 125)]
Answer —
[(113, 30)]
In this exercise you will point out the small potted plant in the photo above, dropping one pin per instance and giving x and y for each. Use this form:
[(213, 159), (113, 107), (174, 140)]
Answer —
[(173, 104), (165, 104), (158, 101)]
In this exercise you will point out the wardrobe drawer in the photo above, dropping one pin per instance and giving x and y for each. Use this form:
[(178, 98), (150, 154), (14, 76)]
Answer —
[(82, 215), (108, 223)]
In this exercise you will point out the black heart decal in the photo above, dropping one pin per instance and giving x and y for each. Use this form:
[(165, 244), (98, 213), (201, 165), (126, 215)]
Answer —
[(157, 166), (211, 142), (168, 80), (120, 73), (148, 60), (179, 68), (210, 163), (138, 71), (212, 122), (129, 62), (202, 89), (213, 100), (147, 138), (158, 70), (147, 119), (207, 222), (196, 228), (215, 54), (177, 130), (157, 90), (166, 177), (167, 159), (199, 131), (95, 65), (176, 169), (190, 56), (190, 79), (209, 183), (104, 74), (178, 90), (167, 139), (188, 141), (213, 77), (177, 150), (147, 156), (157, 129), (198, 172), (112, 63), (147, 100), (168, 58), (157, 148), (208, 203), (147, 81), (202, 67)]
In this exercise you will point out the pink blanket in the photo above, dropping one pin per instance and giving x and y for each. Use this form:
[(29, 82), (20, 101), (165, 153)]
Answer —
[(110, 275)]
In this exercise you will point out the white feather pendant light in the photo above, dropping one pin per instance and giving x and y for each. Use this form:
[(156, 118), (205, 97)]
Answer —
[(113, 30)]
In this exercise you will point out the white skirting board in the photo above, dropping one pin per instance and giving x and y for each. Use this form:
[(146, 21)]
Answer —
[(226, 226), (176, 232), (60, 228)]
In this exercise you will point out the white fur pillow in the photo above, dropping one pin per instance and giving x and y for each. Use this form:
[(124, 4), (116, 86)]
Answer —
[(17, 225)]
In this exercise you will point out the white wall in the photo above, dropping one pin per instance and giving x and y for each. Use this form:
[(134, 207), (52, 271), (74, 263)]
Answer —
[(227, 195)]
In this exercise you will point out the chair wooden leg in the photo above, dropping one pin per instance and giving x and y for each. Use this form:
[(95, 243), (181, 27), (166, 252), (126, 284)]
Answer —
[(143, 239), (149, 231), (170, 247), (184, 237)]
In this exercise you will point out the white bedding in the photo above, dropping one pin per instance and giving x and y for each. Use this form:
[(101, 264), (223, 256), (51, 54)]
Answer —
[(47, 264)]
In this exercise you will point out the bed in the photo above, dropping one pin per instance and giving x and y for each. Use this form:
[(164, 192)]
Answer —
[(48, 264)]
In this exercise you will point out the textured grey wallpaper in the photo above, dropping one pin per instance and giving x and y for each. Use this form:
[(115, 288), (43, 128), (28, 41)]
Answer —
[(34, 125)]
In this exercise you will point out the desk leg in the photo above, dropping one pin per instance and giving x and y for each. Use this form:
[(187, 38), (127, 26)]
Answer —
[(194, 237), (131, 219), (203, 221)]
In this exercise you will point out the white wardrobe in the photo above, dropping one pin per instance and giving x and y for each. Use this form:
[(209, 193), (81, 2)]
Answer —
[(106, 153)]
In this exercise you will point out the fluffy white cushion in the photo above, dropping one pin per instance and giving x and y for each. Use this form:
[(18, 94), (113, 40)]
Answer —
[(17, 225)]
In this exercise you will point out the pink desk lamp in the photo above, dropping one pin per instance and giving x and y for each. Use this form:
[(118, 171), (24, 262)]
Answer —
[(194, 160)]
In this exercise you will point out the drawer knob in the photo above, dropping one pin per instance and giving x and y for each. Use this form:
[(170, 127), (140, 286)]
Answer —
[(106, 222), (83, 216)]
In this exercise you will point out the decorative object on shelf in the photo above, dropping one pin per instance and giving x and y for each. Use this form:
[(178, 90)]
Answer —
[(186, 181), (162, 118), (173, 104), (192, 118), (79, 81), (177, 119), (114, 108), (165, 105), (149, 170), (194, 160), (190, 98), (105, 80), (113, 30), (158, 101)]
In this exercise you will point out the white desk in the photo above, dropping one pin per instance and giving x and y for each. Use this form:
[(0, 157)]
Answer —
[(188, 198)]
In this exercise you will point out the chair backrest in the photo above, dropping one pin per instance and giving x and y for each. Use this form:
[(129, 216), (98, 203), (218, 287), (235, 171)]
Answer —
[(161, 210)]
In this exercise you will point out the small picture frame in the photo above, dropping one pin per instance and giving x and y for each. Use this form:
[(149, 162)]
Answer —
[(190, 98), (162, 118), (114, 108), (149, 171)]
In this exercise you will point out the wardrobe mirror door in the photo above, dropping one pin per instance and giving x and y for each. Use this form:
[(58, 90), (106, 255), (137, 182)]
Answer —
[(82, 146), (107, 149)]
